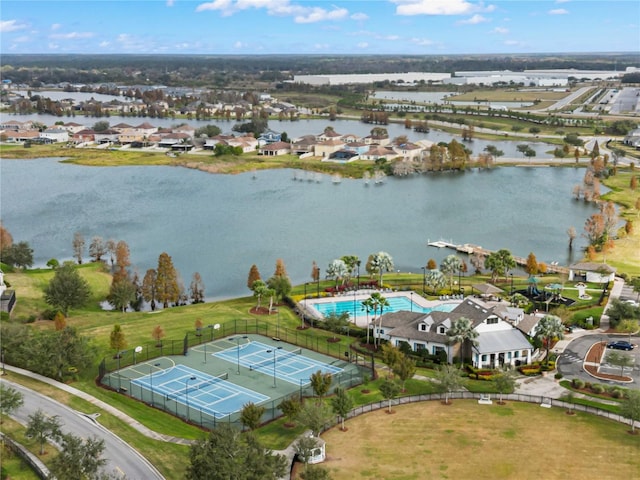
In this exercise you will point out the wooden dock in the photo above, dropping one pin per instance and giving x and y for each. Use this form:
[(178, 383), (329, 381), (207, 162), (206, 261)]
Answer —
[(469, 249)]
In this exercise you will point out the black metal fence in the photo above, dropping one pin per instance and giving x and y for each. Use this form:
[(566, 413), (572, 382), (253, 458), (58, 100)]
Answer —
[(515, 397), (315, 342)]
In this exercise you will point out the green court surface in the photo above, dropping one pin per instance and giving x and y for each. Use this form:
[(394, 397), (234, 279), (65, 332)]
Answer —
[(216, 378)]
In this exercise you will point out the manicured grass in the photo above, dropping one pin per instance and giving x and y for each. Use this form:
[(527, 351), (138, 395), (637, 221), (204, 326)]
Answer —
[(12, 462), (169, 458), (467, 440)]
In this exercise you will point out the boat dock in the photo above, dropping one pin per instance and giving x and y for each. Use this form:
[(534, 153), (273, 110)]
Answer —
[(469, 248)]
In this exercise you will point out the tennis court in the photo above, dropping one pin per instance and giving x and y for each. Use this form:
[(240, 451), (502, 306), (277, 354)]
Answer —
[(192, 388), (288, 365)]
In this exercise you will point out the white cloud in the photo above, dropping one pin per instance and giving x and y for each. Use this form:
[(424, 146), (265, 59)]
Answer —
[(475, 20), (359, 17), (53, 46), (558, 11), (423, 42), (320, 15), (440, 7), (321, 46), (170, 3), (71, 35), (500, 30), (104, 44), (56, 26), (362, 45), (238, 45), (281, 8), (11, 26)]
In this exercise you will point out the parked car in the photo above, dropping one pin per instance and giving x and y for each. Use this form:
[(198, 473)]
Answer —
[(620, 345)]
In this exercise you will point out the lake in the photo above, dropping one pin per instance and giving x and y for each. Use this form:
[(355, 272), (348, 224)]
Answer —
[(219, 225)]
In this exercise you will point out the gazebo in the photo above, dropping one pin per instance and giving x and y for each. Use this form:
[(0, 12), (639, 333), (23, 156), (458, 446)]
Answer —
[(486, 289)]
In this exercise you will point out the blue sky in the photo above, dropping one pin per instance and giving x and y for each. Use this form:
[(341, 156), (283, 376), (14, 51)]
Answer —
[(423, 27)]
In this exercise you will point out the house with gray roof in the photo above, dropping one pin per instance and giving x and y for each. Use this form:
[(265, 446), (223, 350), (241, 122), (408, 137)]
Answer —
[(498, 343)]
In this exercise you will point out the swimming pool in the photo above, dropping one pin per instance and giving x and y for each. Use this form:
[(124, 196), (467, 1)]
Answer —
[(396, 303)]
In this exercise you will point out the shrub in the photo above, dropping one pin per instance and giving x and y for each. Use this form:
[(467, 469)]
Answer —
[(577, 383), (617, 393), (49, 314), (558, 376), (597, 388)]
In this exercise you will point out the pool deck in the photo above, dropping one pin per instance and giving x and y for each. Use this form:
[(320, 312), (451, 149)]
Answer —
[(307, 306)]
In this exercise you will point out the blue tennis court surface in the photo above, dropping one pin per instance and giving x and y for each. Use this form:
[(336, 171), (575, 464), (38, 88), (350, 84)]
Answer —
[(195, 389), (290, 366)]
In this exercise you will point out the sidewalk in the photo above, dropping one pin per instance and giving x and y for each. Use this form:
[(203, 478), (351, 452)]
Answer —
[(547, 386), (103, 405), (289, 452)]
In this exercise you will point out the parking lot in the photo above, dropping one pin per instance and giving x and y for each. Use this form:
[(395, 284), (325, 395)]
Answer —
[(571, 360)]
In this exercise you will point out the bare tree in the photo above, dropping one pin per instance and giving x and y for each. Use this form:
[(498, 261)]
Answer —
[(78, 246)]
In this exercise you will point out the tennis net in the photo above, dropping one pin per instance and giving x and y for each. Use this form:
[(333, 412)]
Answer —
[(197, 386), (283, 356)]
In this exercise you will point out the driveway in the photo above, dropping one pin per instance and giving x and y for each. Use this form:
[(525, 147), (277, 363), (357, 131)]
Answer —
[(570, 361), (122, 459)]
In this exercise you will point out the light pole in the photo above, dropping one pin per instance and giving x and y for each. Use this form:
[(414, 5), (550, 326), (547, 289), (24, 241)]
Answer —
[(459, 272), (354, 305), (212, 327), (237, 339), (186, 391), (358, 273), (4, 371), (511, 274), (274, 363), (411, 295), (424, 280)]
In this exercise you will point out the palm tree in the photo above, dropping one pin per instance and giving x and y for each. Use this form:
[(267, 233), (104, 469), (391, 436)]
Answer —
[(451, 265), (462, 331), (548, 328), (378, 302), (367, 305)]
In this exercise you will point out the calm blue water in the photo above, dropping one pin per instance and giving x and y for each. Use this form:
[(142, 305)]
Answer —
[(219, 225), (396, 304)]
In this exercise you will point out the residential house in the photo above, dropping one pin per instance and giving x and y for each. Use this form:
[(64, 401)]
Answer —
[(21, 135), (377, 140), (268, 137), (248, 143), (84, 136), (275, 149), (410, 151), (328, 134), (304, 144), (73, 127), (325, 148), (358, 147), (16, 126), (376, 152), (498, 342), (55, 135), (106, 136)]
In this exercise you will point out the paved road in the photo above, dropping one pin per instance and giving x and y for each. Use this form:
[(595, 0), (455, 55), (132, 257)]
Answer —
[(570, 361), (121, 457)]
